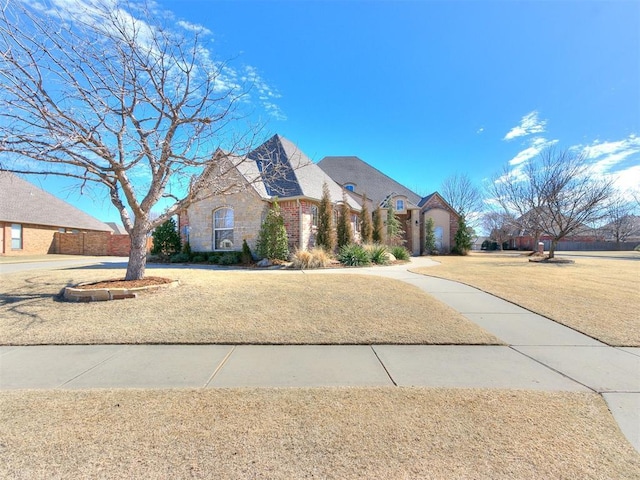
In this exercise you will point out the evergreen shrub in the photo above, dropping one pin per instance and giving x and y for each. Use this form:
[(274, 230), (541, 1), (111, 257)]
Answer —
[(354, 255), (378, 254), (180, 258), (401, 253), (166, 239)]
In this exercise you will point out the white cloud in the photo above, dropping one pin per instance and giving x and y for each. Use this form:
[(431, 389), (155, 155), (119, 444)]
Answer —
[(266, 94), (535, 147), (529, 124), (192, 27), (627, 181), (480, 130), (606, 155), (91, 12)]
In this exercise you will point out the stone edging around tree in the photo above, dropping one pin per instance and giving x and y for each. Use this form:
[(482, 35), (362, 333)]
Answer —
[(73, 294)]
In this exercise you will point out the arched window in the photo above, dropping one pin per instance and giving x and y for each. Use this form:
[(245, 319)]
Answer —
[(350, 186), (223, 229)]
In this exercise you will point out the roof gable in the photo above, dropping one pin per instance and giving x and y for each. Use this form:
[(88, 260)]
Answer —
[(282, 170), (367, 179), (24, 202)]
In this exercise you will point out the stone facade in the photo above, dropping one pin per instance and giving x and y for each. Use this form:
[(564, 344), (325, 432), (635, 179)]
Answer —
[(248, 212)]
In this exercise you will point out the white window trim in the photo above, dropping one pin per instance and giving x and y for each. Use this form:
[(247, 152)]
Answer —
[(221, 229), (17, 227)]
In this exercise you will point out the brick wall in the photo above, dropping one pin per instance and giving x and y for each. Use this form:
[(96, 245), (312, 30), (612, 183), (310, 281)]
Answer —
[(36, 240), (92, 243)]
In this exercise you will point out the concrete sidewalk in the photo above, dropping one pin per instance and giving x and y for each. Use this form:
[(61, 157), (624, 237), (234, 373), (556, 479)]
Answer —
[(541, 355)]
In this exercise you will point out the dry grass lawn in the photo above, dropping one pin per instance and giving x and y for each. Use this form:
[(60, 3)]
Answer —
[(311, 433), (231, 307), (599, 297)]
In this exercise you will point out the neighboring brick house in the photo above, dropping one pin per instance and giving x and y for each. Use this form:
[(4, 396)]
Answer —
[(278, 169), (32, 222)]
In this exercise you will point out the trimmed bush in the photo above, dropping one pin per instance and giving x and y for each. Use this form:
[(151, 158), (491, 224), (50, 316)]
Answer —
[(166, 239), (272, 239), (246, 256), (230, 258), (198, 258), (354, 255), (378, 254), (180, 258), (314, 258), (400, 253)]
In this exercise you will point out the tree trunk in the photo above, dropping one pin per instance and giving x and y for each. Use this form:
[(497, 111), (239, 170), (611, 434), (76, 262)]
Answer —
[(137, 254), (552, 248)]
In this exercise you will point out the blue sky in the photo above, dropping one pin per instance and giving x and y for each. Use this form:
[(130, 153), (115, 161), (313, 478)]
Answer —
[(425, 89)]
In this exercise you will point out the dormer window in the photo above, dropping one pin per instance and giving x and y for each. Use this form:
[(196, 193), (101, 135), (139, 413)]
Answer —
[(399, 204), (350, 186)]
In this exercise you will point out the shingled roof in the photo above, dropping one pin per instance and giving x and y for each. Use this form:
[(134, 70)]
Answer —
[(367, 179), (283, 171), (23, 202)]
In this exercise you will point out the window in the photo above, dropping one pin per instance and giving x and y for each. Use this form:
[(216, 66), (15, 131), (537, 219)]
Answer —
[(350, 186), (314, 215), (223, 229), (16, 236), (399, 205), (355, 219)]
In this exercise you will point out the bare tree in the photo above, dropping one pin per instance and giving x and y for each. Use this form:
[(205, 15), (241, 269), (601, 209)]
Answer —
[(622, 224), (462, 194), (570, 197), (519, 201), (110, 96), (500, 226), (558, 193)]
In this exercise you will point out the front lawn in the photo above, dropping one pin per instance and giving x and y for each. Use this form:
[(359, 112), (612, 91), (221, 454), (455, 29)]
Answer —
[(599, 297), (216, 306), (311, 433)]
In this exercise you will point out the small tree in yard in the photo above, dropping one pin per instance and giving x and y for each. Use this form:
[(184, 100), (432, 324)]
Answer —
[(272, 240), (556, 193), (123, 100), (429, 236), (344, 232), (376, 235), (166, 239), (500, 226), (462, 239), (365, 222), (324, 234), (394, 226)]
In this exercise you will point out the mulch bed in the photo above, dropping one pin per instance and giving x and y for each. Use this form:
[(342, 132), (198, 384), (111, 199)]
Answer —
[(122, 283)]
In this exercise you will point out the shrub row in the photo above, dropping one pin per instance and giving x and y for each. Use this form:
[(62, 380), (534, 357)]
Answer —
[(354, 255)]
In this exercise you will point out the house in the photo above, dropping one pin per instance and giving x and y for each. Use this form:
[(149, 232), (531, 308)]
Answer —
[(358, 176), (278, 169), (31, 218)]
